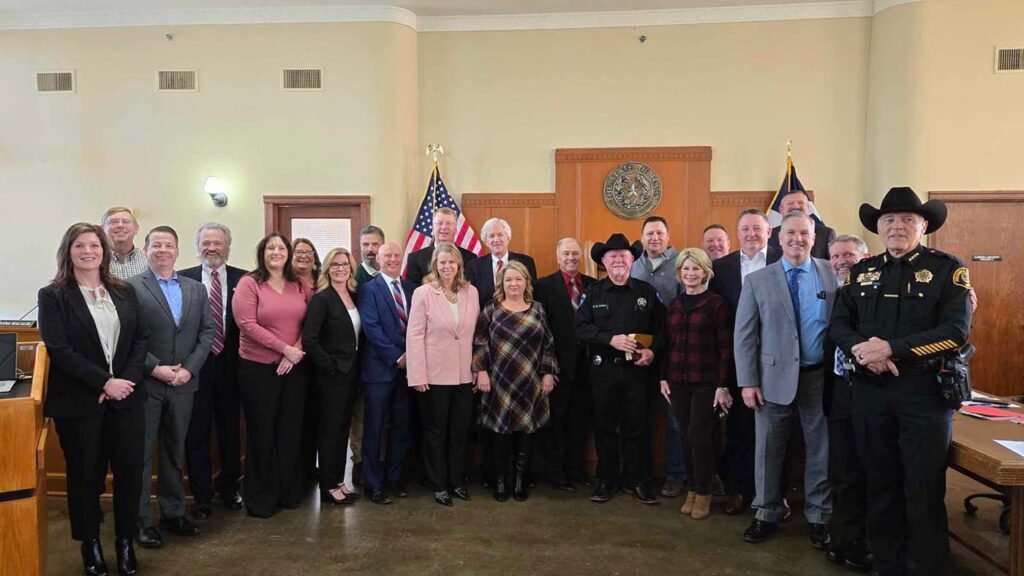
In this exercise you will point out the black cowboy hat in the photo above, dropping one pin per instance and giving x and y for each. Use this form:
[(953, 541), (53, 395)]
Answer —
[(904, 199), (615, 242)]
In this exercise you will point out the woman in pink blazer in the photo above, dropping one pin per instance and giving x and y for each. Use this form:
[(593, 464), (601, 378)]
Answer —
[(439, 353)]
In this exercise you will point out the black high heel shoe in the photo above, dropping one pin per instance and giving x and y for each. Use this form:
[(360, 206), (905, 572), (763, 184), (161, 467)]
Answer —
[(92, 558), (328, 498), (127, 565)]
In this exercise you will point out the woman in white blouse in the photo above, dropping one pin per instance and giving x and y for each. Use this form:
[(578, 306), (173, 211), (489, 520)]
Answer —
[(88, 320), (330, 336)]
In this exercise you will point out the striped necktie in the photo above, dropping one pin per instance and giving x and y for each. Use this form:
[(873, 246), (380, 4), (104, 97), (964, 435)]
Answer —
[(396, 291), (574, 292), (217, 311)]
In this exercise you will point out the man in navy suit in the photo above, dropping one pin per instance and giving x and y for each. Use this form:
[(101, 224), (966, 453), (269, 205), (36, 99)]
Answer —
[(481, 272), (731, 271), (217, 399), (564, 439), (445, 227), (384, 310)]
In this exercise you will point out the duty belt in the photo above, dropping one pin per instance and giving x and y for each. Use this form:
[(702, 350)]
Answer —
[(600, 360)]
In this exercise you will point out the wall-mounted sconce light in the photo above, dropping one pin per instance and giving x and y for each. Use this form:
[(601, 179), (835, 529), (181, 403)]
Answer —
[(217, 191)]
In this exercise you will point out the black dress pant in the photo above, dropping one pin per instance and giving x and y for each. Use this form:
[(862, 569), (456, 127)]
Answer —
[(337, 396), (309, 449), (579, 417), (903, 431), (694, 408), (273, 407), (446, 411), (216, 401), (846, 475), (553, 439), (740, 441), (620, 413), (120, 435)]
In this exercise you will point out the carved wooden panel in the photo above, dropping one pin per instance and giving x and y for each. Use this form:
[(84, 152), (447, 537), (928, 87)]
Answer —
[(531, 216)]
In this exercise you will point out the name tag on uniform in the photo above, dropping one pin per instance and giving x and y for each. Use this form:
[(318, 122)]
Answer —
[(599, 307)]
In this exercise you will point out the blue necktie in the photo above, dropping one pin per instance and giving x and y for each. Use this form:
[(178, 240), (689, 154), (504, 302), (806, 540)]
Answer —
[(794, 294)]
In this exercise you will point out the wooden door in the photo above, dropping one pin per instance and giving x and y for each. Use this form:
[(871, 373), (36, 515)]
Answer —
[(327, 221), (982, 229)]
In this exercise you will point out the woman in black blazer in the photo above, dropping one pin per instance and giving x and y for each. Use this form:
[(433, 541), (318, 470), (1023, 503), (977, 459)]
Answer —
[(330, 336), (89, 322)]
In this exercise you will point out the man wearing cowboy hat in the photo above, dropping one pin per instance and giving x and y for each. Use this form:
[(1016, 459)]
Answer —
[(616, 316), (896, 315)]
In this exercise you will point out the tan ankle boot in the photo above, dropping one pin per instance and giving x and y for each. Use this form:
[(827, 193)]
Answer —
[(701, 507), (687, 508)]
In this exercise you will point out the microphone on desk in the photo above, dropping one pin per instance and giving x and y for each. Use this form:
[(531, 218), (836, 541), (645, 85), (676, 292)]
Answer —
[(31, 310)]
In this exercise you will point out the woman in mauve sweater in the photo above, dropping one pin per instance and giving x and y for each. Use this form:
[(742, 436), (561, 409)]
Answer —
[(269, 305)]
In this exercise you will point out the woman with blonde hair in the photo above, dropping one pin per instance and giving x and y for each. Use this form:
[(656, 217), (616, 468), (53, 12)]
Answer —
[(514, 355), (694, 376), (330, 336), (439, 353)]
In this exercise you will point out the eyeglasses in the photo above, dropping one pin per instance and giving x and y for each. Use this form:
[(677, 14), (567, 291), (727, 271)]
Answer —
[(339, 265), (306, 253)]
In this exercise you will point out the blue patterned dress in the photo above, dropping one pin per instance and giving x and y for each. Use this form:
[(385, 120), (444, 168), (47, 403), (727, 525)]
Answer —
[(517, 349)]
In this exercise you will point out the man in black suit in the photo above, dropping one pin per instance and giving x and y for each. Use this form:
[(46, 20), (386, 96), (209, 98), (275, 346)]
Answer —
[(444, 228), (730, 270), (823, 235), (482, 271), (564, 440), (217, 398)]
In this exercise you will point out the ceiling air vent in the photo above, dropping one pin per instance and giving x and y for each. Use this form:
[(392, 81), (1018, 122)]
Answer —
[(177, 81), (1009, 59), (302, 79), (51, 82)]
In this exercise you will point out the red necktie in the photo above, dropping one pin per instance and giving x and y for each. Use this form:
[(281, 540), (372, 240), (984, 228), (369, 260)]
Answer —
[(217, 311)]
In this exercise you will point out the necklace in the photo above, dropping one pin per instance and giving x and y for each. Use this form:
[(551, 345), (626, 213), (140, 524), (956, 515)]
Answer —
[(452, 297)]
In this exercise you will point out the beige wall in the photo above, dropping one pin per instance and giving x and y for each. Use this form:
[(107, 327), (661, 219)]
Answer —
[(939, 118), (501, 102), (66, 158)]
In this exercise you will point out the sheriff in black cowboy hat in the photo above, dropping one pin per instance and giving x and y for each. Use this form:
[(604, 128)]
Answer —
[(617, 315), (899, 312)]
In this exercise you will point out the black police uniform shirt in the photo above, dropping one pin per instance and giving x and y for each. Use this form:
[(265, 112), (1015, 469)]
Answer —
[(608, 309), (919, 304)]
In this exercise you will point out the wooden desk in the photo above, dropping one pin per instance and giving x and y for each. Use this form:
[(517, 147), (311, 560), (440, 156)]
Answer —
[(976, 454)]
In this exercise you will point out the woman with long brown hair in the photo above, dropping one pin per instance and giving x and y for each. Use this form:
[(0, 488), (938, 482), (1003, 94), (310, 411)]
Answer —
[(269, 305), (89, 321)]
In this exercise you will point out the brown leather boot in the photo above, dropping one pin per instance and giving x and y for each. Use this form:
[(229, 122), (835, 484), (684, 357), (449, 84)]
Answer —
[(701, 507), (687, 507)]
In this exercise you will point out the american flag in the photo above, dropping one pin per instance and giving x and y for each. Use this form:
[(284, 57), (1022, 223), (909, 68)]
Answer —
[(789, 183), (422, 233)]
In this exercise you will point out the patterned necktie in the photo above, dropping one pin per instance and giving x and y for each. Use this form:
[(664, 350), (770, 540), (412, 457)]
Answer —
[(217, 311), (794, 294), (498, 271), (574, 292), (396, 291)]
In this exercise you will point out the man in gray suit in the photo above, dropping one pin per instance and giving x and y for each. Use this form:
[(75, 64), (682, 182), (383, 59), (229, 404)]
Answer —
[(177, 315), (781, 321)]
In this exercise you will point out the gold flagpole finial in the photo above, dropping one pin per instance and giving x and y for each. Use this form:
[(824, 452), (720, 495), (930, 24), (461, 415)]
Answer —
[(789, 149), (435, 150)]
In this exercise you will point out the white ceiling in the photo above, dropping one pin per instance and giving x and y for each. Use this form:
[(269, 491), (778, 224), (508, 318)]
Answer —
[(419, 7)]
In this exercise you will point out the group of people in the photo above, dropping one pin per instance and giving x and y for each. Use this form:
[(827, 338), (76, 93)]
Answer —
[(336, 361)]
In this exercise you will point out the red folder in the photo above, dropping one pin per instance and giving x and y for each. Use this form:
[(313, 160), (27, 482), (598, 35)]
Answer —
[(992, 413)]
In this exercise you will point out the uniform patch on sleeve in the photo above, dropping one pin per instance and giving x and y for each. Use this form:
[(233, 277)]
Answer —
[(961, 278)]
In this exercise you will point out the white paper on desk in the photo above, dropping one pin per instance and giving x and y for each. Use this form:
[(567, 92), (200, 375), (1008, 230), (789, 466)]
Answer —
[(982, 397), (1015, 445)]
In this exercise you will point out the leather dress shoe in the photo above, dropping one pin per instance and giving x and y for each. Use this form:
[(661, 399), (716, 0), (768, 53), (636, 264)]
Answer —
[(92, 558), (202, 511), (328, 498), (443, 498), (126, 563), (232, 501), (645, 495), (150, 537), (380, 497), (602, 492), (854, 562), (819, 536), (461, 493), (580, 478), (181, 526), (759, 531), (398, 489), (672, 488), (736, 504), (561, 483)]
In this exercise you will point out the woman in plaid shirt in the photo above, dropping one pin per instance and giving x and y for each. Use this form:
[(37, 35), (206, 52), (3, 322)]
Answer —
[(693, 378)]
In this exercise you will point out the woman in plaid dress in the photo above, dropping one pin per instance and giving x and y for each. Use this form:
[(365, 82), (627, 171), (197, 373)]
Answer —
[(514, 355)]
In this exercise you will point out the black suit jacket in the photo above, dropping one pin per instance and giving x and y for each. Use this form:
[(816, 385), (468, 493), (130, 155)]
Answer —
[(230, 327), (728, 280), (550, 291), (822, 236), (78, 368), (480, 274), (328, 336), (418, 265)]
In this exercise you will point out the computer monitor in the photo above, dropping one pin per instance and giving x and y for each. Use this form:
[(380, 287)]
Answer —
[(8, 360)]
